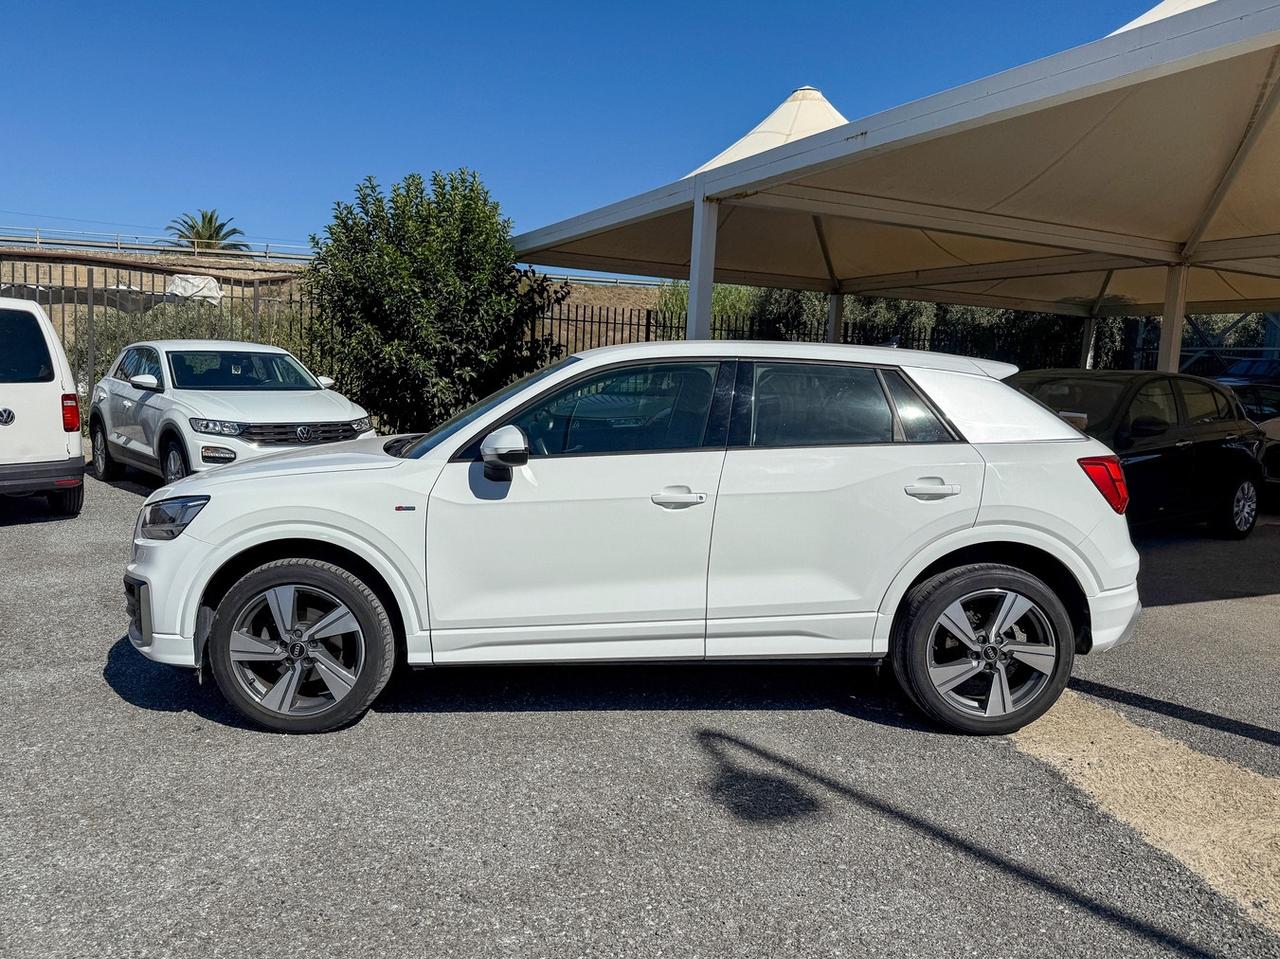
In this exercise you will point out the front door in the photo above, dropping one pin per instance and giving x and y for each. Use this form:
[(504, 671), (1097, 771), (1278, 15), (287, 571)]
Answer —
[(835, 475), (597, 548), (1155, 450)]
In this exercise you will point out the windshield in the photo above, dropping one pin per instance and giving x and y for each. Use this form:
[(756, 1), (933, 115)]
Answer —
[(472, 413), (1096, 398), (238, 370)]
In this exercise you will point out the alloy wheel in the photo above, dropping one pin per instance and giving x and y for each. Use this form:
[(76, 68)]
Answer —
[(992, 652), (1244, 508), (296, 650), (99, 453), (174, 468)]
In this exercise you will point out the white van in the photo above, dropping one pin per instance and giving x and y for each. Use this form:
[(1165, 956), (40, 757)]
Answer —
[(40, 445)]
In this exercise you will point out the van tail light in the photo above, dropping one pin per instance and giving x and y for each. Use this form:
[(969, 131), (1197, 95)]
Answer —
[(1108, 476), (70, 413)]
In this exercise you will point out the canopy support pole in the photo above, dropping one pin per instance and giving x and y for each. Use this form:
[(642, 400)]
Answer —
[(1169, 355), (1091, 324), (835, 318), (702, 267)]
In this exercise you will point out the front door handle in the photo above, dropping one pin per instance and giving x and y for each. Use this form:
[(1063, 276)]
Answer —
[(1182, 444), (677, 497), (927, 491)]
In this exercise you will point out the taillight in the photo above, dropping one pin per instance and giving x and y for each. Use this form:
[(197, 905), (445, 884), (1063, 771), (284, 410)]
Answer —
[(1108, 476), (70, 413)]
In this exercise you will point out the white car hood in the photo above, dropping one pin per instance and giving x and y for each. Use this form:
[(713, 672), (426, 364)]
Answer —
[(270, 406)]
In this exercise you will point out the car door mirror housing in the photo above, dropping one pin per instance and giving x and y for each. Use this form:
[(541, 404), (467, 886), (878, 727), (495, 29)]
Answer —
[(1148, 426), (326, 382), (502, 449), (144, 381)]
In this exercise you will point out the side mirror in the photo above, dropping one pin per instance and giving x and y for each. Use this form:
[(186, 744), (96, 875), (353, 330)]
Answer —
[(1148, 426), (326, 382), (502, 449), (144, 381)]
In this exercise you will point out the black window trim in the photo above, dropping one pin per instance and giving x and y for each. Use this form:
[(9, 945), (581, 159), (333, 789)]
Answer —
[(721, 405), (743, 396)]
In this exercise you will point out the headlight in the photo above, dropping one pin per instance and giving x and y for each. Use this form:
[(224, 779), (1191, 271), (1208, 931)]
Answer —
[(361, 425), (220, 427), (169, 517)]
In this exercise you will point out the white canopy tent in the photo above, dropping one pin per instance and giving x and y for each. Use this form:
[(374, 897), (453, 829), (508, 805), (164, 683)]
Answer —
[(1135, 175)]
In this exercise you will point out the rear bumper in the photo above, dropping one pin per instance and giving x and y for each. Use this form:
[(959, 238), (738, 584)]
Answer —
[(38, 477), (1114, 617)]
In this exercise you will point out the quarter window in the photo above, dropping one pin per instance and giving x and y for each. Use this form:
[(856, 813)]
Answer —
[(631, 410), (802, 404), (919, 423)]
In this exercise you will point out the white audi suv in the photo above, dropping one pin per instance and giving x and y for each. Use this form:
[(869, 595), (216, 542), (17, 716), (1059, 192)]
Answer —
[(174, 407), (688, 500)]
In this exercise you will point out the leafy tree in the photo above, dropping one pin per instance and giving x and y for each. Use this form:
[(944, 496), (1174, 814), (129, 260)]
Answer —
[(726, 299), (205, 232), (420, 307)]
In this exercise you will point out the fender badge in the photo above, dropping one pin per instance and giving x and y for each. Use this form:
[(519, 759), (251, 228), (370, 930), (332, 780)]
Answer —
[(405, 509)]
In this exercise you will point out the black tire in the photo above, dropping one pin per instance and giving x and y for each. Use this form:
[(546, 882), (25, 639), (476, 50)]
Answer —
[(172, 448), (1229, 523), (370, 614), (66, 502), (913, 634), (104, 466)]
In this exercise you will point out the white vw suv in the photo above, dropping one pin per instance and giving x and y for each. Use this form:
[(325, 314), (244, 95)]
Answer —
[(174, 407), (704, 500)]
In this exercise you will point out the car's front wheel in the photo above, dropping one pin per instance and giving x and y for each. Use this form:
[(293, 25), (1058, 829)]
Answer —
[(173, 461), (301, 646), (984, 648)]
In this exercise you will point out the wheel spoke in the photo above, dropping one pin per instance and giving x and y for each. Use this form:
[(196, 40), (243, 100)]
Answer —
[(245, 647), (947, 677), (1036, 655), (1000, 700), (1012, 608), (283, 610), (337, 677), (956, 622), (339, 621), (280, 696)]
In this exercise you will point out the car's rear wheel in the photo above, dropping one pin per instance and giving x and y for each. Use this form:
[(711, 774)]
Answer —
[(103, 465), (1237, 513), (302, 646), (984, 648), (173, 461), (66, 502)]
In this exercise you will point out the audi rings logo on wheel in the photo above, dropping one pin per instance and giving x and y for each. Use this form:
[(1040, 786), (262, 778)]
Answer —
[(304, 434), (7, 417)]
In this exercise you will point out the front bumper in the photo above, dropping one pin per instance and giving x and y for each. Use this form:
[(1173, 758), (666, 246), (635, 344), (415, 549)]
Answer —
[(39, 477), (158, 587), (1114, 615), (244, 450)]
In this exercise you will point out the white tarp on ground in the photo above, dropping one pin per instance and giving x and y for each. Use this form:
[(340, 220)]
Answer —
[(192, 287), (1068, 185)]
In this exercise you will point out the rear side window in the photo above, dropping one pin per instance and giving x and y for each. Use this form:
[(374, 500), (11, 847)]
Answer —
[(919, 424), (1204, 404), (802, 404), (25, 356), (1154, 402), (128, 366)]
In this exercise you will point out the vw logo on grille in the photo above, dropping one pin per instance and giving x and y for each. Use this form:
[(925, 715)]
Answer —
[(304, 434), (6, 417)]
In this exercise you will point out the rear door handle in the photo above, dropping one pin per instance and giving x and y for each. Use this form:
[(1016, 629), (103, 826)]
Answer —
[(128, 404), (1182, 444), (678, 497), (931, 490)]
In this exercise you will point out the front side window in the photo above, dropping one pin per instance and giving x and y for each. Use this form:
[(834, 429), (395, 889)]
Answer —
[(660, 407), (149, 364), (1203, 403), (817, 404), (24, 357), (1154, 402), (238, 370)]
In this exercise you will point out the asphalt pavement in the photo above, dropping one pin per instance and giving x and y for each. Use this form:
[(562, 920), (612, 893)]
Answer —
[(683, 811)]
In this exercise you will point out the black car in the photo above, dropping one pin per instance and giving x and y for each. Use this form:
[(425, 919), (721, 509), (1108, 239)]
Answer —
[(1257, 383), (1188, 449)]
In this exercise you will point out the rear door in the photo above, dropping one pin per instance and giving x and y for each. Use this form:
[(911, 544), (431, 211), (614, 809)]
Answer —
[(1158, 468), (1214, 431), (31, 391), (835, 474)]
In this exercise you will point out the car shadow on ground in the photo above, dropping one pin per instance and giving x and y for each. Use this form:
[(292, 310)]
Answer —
[(25, 510), (1190, 565), (760, 785), (171, 689)]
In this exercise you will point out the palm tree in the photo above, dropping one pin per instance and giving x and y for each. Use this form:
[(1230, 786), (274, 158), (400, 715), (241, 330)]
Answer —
[(205, 232)]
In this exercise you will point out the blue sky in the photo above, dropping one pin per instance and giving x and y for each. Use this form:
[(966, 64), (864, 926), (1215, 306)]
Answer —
[(131, 113)]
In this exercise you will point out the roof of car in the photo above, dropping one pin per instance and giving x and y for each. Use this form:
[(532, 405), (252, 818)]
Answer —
[(167, 345), (883, 355)]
